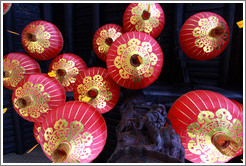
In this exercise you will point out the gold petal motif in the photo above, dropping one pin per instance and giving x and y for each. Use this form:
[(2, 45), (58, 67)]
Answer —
[(39, 99), (16, 72), (104, 34), (208, 124), (71, 133), (96, 82), (38, 129), (204, 40), (42, 39), (123, 60), (69, 67), (141, 24)]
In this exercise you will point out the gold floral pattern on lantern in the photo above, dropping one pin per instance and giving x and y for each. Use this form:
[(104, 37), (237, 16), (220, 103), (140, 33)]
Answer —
[(38, 129), (95, 83), (209, 124), (70, 71), (123, 61), (204, 40), (71, 133), (41, 38), (104, 35), (39, 100), (16, 72), (142, 24)]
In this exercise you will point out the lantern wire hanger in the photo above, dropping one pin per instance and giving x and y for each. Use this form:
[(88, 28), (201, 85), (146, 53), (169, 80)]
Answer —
[(13, 32), (33, 148)]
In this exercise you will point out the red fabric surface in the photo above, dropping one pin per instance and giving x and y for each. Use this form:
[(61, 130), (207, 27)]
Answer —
[(119, 60), (133, 20), (186, 110), (36, 131), (195, 40), (240, 106), (49, 40), (6, 7), (19, 65), (99, 79), (46, 94), (100, 46), (72, 64), (74, 112)]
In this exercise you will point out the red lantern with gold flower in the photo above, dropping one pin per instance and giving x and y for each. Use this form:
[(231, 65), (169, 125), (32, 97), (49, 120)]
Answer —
[(104, 37), (75, 132), (96, 87), (36, 95), (210, 126), (42, 40), (135, 60), (66, 67), (17, 66), (6, 7), (204, 36), (36, 131), (144, 17)]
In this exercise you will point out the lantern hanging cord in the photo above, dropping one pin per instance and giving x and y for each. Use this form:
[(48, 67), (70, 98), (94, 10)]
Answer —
[(32, 148), (13, 32)]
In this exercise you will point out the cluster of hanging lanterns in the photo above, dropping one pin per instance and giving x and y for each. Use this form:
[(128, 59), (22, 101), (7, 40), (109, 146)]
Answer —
[(209, 124)]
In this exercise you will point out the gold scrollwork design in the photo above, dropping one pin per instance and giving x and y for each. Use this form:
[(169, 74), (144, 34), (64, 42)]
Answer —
[(209, 124), (42, 38), (104, 34), (70, 71), (16, 72), (96, 82), (71, 133), (38, 136), (142, 24), (123, 60), (39, 103), (202, 34)]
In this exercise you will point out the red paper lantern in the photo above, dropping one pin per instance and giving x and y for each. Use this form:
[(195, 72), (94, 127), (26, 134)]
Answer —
[(204, 36), (135, 60), (42, 40), (97, 88), (6, 7), (17, 66), (74, 132), (36, 95), (144, 17), (104, 37), (36, 131), (239, 105), (210, 126), (66, 68)]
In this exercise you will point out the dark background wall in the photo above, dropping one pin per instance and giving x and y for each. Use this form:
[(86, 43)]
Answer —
[(78, 23)]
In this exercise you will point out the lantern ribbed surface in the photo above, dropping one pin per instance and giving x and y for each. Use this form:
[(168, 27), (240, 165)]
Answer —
[(210, 126), (135, 60), (104, 37), (6, 7), (77, 125), (16, 66), (204, 36), (101, 89), (66, 67), (144, 17), (36, 95), (42, 40)]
